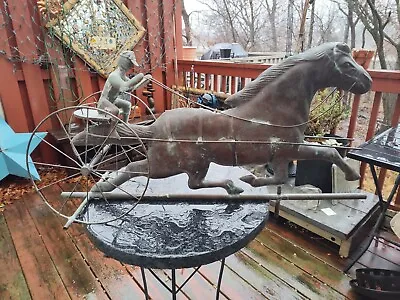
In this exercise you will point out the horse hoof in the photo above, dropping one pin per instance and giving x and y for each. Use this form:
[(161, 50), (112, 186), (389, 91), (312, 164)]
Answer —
[(102, 187), (248, 179), (232, 189)]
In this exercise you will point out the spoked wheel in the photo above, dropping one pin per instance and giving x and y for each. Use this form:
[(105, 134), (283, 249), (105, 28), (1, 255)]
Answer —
[(93, 154)]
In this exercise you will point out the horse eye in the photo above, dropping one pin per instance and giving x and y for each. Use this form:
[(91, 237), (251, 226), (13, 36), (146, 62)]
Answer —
[(348, 65)]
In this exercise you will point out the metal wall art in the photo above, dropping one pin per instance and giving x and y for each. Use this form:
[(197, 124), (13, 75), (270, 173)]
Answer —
[(97, 30)]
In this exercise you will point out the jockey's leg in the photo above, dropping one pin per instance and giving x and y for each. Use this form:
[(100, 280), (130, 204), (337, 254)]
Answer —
[(125, 106)]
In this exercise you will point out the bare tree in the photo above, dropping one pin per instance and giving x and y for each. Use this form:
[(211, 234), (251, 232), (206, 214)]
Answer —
[(378, 21), (289, 27), (272, 6), (188, 28), (312, 22), (347, 9), (375, 23), (240, 21), (325, 26)]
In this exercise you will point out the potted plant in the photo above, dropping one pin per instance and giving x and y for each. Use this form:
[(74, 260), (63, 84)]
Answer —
[(327, 111)]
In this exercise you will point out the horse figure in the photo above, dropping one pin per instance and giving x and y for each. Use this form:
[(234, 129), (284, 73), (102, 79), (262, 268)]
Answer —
[(272, 110)]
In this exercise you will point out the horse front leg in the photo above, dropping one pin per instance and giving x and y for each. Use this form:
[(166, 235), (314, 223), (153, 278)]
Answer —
[(197, 181), (280, 176), (327, 154), (133, 169)]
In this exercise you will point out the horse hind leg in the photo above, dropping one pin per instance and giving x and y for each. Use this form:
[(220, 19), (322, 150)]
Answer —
[(197, 181), (280, 176), (328, 154), (133, 169)]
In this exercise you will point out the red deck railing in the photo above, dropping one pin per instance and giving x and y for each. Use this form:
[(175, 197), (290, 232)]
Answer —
[(225, 78)]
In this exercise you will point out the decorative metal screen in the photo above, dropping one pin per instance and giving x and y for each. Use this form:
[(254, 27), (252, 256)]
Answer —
[(97, 31)]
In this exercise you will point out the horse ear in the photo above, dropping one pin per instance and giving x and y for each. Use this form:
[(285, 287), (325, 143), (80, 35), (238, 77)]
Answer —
[(343, 47)]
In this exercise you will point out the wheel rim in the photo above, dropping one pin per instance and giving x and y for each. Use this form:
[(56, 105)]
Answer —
[(79, 171)]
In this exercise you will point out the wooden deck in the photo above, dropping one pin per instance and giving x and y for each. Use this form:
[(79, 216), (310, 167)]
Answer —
[(40, 260)]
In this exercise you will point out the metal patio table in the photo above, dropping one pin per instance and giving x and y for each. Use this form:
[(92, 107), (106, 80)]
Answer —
[(383, 151), (174, 235)]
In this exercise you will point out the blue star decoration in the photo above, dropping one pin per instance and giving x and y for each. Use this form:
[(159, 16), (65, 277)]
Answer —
[(13, 152)]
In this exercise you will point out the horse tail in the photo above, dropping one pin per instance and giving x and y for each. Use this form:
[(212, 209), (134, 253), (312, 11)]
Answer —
[(142, 131)]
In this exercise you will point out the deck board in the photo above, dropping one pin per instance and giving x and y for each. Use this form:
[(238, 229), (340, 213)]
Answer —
[(12, 286), (197, 287), (315, 267), (233, 287), (75, 273), (265, 282), (40, 273), (115, 279), (301, 281), (43, 261)]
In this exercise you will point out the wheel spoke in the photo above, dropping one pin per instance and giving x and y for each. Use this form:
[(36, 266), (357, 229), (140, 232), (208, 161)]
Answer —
[(54, 166), (68, 198), (108, 136), (86, 137), (118, 187), (59, 151), (110, 158), (134, 148), (101, 192), (85, 152), (126, 154), (58, 181), (123, 171), (68, 136)]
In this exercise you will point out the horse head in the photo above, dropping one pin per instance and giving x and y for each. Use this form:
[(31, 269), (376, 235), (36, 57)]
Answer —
[(350, 75)]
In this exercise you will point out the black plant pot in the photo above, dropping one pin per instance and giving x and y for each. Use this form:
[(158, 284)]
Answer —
[(319, 172)]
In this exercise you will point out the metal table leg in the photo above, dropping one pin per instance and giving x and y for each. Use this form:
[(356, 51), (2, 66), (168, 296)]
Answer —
[(173, 289), (146, 291), (384, 206), (221, 272)]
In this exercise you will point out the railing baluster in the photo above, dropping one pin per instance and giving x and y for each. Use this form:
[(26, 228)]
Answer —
[(215, 86), (181, 78), (353, 118), (242, 82), (192, 79), (233, 85), (207, 82), (395, 121), (198, 83), (396, 113), (223, 84)]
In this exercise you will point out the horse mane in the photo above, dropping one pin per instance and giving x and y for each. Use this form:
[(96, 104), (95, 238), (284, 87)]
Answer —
[(273, 72)]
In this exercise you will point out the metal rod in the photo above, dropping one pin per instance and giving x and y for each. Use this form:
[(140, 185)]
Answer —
[(146, 291), (188, 278), (317, 137), (278, 202), (72, 218), (194, 197), (173, 282), (221, 272)]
